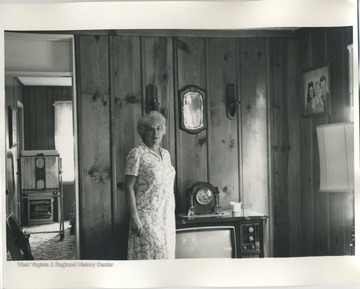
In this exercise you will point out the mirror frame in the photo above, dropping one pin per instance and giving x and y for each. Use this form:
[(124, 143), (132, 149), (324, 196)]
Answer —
[(183, 92)]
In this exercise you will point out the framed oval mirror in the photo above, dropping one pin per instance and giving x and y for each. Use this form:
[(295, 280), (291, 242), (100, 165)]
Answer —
[(193, 109)]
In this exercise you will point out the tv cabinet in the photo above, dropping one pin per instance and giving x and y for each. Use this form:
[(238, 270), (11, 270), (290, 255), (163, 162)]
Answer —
[(40, 186), (249, 230)]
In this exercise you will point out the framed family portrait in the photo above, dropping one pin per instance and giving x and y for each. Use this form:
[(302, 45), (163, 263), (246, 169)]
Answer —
[(316, 96)]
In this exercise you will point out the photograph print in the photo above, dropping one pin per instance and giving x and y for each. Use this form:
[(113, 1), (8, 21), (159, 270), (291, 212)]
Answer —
[(136, 153), (316, 88)]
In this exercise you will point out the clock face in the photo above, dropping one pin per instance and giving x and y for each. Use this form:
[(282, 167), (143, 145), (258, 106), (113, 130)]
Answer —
[(204, 196), (203, 199)]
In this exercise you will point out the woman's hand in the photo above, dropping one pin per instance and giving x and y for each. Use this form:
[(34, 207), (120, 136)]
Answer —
[(136, 225)]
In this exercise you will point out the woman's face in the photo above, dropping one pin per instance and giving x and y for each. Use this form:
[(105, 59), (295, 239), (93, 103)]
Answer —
[(153, 134), (311, 92)]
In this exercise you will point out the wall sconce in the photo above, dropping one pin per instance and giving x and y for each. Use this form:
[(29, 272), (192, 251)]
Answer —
[(152, 101), (231, 101), (336, 153)]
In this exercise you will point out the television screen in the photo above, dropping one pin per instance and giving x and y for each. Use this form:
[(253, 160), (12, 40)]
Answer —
[(206, 242)]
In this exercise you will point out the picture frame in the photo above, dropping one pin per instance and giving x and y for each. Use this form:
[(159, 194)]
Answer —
[(316, 95), (12, 126), (193, 109)]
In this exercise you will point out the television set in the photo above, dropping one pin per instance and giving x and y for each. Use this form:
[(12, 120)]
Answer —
[(40, 171), (206, 242)]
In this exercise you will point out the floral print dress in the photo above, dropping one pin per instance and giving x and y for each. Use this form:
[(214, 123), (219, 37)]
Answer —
[(155, 204)]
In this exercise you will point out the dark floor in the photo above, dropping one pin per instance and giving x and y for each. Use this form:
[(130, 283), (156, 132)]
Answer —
[(49, 246)]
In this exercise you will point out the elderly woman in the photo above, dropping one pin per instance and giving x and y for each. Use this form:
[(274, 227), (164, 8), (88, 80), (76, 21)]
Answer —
[(149, 188)]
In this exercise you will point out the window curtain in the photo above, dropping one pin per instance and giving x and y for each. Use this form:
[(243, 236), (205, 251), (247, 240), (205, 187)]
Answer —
[(64, 138)]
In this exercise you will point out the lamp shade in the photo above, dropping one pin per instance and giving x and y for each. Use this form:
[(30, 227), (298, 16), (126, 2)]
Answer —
[(336, 154)]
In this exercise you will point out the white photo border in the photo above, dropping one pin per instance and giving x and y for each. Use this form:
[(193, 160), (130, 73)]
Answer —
[(181, 15)]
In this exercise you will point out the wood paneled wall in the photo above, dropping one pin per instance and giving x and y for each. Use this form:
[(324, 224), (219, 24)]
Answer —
[(95, 188), (191, 149), (263, 157), (284, 150), (113, 73), (38, 104), (326, 218), (305, 222), (254, 124), (223, 135)]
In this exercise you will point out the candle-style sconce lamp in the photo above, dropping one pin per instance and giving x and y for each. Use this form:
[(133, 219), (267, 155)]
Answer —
[(231, 101), (152, 100)]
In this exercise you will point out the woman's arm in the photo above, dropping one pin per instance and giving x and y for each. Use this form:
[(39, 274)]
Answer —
[(135, 222)]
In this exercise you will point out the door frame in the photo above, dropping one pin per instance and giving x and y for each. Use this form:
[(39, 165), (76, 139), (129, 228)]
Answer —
[(29, 72)]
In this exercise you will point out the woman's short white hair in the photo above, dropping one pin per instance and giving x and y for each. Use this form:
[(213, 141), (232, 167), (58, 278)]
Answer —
[(150, 119)]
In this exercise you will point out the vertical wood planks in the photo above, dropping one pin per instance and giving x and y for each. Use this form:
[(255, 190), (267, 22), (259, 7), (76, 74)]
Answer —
[(27, 115), (41, 116), (279, 145), (31, 132), (191, 150), (254, 123), (199, 156), (337, 58), (327, 218), (321, 200), (38, 103), (341, 214), (293, 111), (349, 222), (307, 199), (349, 218), (157, 67), (126, 110), (52, 97), (337, 223), (94, 147), (223, 162)]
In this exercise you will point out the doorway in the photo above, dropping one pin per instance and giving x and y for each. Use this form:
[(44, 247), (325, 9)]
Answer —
[(40, 73)]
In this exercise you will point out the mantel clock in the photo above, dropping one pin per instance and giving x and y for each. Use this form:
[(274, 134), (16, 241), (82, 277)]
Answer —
[(203, 199)]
